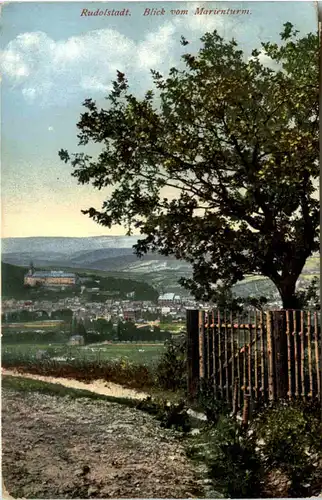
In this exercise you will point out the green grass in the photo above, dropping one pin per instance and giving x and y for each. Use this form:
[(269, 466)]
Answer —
[(310, 276), (30, 349), (312, 263), (25, 385), (135, 353), (172, 327)]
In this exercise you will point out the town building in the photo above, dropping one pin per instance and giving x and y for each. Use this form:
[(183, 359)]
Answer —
[(169, 299), (132, 314)]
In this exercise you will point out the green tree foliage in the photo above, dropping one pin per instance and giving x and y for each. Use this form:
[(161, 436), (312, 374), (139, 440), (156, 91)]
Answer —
[(12, 281), (309, 297), (171, 370), (78, 327), (63, 314), (237, 143), (104, 328), (121, 287), (128, 332)]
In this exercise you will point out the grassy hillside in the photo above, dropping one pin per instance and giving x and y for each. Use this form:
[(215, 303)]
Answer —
[(12, 278), (146, 284)]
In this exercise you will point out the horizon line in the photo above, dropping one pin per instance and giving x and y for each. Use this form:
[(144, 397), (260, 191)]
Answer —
[(58, 236)]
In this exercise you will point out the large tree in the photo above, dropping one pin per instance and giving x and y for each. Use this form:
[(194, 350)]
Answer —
[(235, 141)]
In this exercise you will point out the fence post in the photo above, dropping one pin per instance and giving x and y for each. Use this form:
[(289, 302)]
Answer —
[(192, 317), (280, 354)]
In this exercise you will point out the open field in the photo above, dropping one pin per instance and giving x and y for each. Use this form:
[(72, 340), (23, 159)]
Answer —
[(135, 353), (34, 325)]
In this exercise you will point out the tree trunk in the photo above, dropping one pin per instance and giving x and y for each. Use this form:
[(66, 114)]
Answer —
[(288, 294), (290, 302)]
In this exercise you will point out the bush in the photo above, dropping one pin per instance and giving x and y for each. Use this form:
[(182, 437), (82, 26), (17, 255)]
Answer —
[(171, 371), (280, 455), (211, 407), (290, 438), (233, 463)]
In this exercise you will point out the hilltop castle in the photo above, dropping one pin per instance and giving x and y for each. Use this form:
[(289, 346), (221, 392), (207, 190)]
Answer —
[(49, 278)]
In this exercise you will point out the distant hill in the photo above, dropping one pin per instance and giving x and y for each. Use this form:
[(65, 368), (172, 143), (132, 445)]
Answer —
[(64, 245), (103, 253), (114, 256)]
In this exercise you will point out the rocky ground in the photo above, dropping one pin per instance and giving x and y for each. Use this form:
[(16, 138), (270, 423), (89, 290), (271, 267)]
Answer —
[(58, 447)]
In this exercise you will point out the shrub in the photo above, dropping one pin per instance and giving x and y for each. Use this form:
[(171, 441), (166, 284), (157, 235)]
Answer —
[(213, 408), (279, 455), (290, 438), (171, 371), (234, 466)]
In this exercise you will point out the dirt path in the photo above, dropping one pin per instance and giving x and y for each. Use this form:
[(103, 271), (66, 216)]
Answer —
[(59, 447), (98, 386)]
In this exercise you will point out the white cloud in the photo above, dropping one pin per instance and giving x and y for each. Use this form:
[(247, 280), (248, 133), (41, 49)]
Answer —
[(156, 47), (52, 72)]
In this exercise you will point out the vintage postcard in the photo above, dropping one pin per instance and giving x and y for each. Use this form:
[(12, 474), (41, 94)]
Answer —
[(160, 250)]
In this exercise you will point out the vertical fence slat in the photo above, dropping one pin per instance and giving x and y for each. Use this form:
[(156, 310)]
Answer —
[(231, 319), (226, 356), (296, 355), (289, 354), (271, 385), (309, 353), (246, 411), (238, 364), (303, 391), (244, 362), (256, 357), (209, 347), (220, 356), (214, 353), (317, 354), (250, 342), (201, 344), (235, 396), (262, 353), (205, 344)]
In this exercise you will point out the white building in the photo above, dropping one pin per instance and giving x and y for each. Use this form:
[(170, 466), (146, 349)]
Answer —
[(168, 299)]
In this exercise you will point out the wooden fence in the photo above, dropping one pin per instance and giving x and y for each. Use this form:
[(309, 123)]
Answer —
[(273, 355)]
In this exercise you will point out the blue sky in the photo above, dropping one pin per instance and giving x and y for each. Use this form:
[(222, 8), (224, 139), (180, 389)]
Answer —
[(52, 59)]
